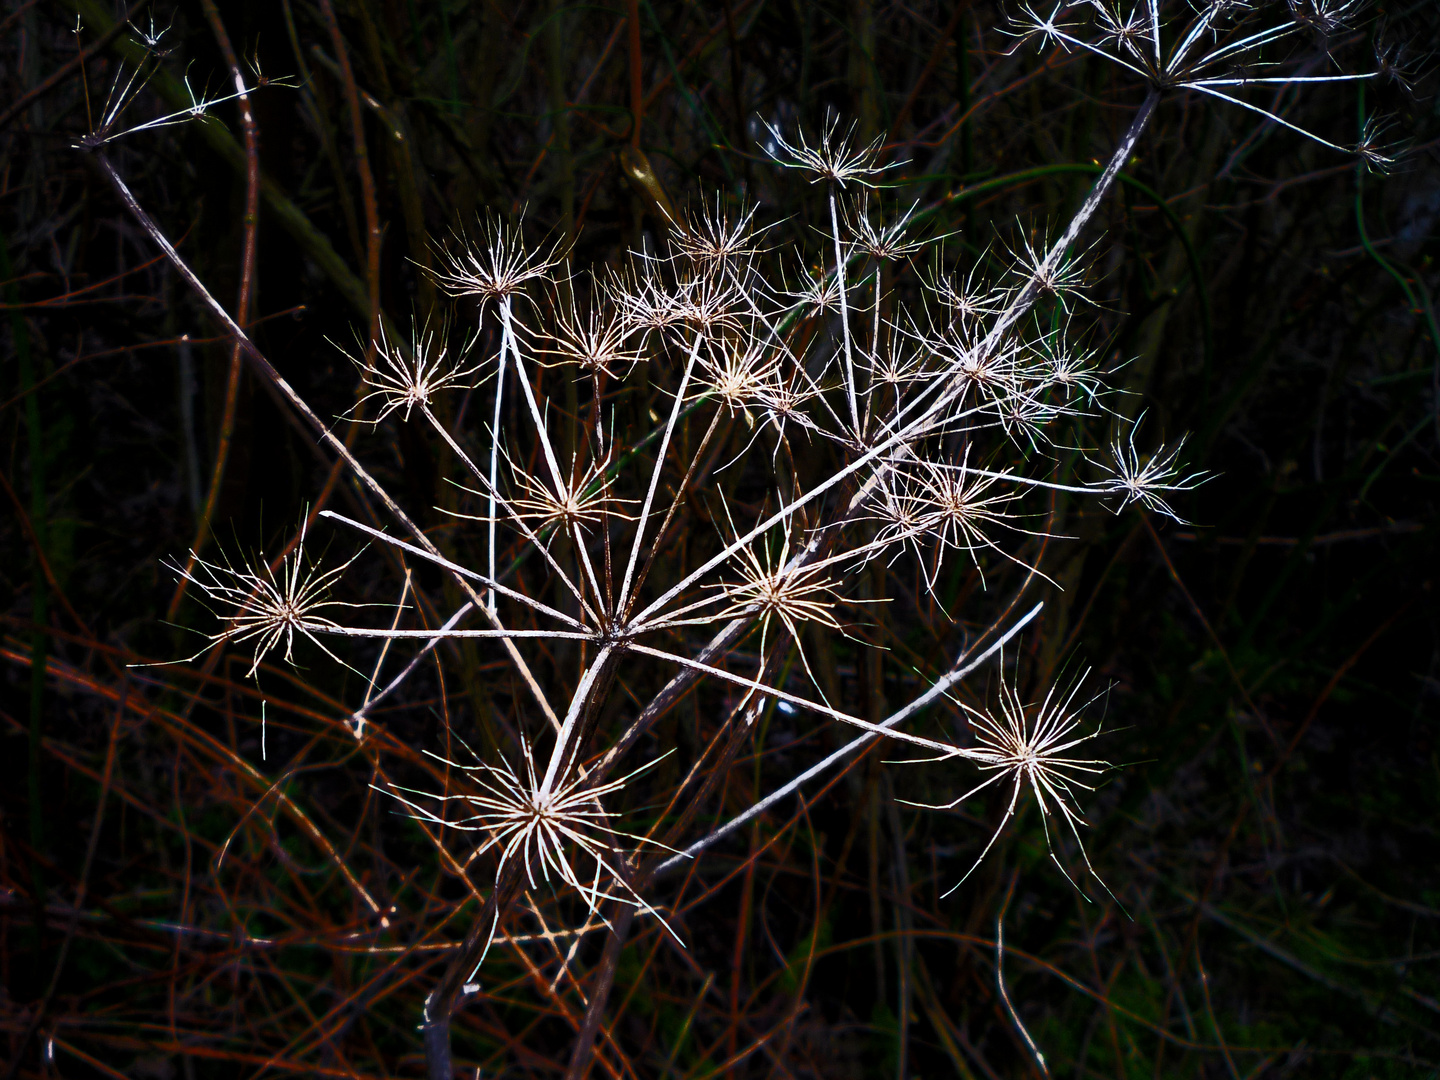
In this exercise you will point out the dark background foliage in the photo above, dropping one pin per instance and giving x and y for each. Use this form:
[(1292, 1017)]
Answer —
[(174, 904)]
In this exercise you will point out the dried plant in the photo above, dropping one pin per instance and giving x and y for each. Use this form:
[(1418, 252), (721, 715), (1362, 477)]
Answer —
[(812, 447)]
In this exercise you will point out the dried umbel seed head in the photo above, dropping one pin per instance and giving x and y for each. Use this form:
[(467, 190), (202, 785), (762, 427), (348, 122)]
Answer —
[(819, 291), (833, 158), (572, 504), (1030, 746), (596, 339), (1058, 275), (1147, 480), (495, 265), (959, 506), (771, 589), (886, 240), (742, 374), (411, 379), (715, 242), (1072, 370), (550, 831), (268, 606)]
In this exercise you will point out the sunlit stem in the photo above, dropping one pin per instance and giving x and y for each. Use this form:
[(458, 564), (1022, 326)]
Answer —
[(1155, 29), (524, 380), (1253, 41), (572, 715), (655, 475), (844, 313), (562, 486), (497, 501), (1191, 36), (495, 439), (928, 416), (1028, 295), (963, 667)]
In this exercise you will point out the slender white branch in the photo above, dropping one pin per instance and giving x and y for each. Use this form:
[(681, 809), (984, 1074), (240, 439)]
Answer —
[(945, 749), (941, 686), (844, 315), (578, 702), (505, 336), (675, 410), (456, 568), (517, 520), (1203, 88), (358, 717)]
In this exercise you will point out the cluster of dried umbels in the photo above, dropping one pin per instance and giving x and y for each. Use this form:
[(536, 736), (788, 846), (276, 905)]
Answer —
[(883, 424)]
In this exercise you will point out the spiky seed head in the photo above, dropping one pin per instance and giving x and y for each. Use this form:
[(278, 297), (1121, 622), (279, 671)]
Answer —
[(833, 158), (494, 265), (406, 379)]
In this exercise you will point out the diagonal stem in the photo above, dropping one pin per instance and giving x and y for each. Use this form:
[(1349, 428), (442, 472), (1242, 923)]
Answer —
[(267, 371), (941, 686), (655, 474)]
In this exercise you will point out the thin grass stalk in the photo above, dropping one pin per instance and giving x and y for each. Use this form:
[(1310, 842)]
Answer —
[(250, 230)]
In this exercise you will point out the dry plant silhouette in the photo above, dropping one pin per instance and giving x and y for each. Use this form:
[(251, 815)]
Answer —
[(657, 549)]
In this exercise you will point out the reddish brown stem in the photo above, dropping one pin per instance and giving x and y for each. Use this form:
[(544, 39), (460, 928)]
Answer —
[(249, 243), (936, 55), (362, 167)]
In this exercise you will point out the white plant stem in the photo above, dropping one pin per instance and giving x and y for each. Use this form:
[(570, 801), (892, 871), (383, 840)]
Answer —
[(457, 569), (273, 377), (940, 686), (505, 335), (577, 706), (675, 410), (844, 315), (494, 497)]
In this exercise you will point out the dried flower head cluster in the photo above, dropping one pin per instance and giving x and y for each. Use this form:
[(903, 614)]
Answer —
[(1030, 746), (742, 441), (926, 425), (269, 605)]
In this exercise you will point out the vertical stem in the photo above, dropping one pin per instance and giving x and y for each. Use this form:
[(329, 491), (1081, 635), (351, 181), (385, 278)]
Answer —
[(249, 242), (623, 608), (844, 313), (440, 1004), (495, 439)]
